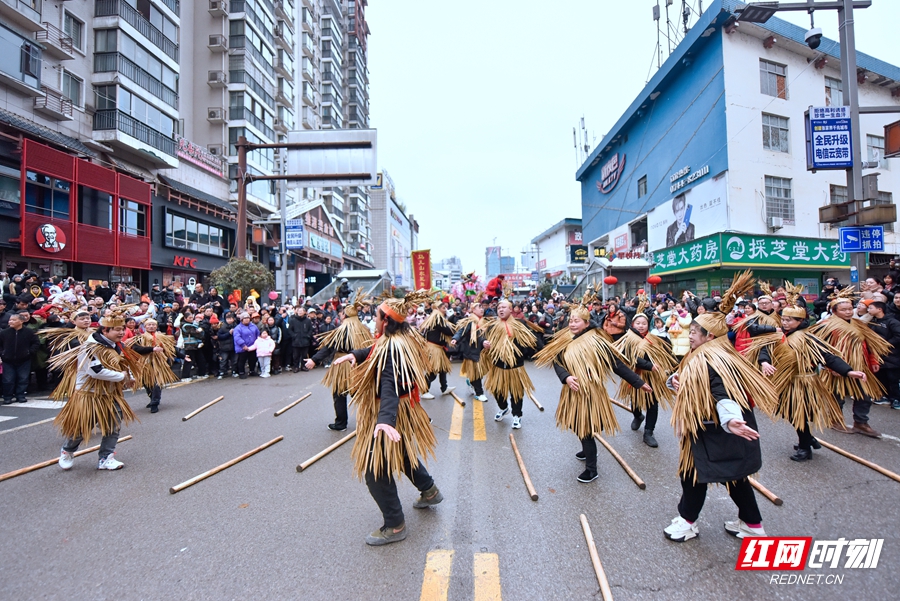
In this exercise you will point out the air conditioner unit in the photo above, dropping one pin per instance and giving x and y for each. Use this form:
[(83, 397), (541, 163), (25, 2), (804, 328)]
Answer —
[(218, 43), (216, 149), (218, 9), (775, 223), (217, 79), (216, 115)]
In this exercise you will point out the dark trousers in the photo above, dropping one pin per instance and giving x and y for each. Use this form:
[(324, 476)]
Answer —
[(107, 443), (890, 379), (227, 362), (589, 448), (476, 384), (243, 359), (15, 379), (516, 405), (276, 361), (155, 394), (652, 416), (197, 359), (860, 409), (300, 354), (340, 409), (384, 491), (804, 438), (694, 495), (442, 377)]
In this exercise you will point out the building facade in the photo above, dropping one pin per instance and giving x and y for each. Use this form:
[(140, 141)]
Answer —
[(452, 266), (559, 251), (392, 232)]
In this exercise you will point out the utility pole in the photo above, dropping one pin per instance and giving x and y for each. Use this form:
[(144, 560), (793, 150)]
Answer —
[(241, 245), (285, 253)]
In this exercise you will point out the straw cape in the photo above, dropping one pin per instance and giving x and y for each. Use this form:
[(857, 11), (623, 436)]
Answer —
[(404, 353), (507, 339), (473, 326), (60, 340), (156, 369), (437, 357), (348, 336), (633, 346)]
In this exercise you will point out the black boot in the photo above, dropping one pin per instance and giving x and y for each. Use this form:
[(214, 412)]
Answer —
[(802, 455), (649, 440), (637, 421)]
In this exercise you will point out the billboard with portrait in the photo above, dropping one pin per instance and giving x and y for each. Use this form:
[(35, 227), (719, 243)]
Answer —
[(699, 212)]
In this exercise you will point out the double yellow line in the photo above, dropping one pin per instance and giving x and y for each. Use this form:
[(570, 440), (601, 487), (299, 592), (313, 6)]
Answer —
[(436, 579), (456, 422)]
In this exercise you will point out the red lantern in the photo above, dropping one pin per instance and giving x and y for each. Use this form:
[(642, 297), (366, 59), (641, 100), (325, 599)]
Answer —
[(610, 280), (654, 280)]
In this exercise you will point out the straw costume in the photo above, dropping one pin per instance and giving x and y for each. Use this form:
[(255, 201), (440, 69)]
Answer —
[(712, 414), (62, 339), (589, 357), (759, 324), (156, 370), (437, 332), (385, 388), (347, 337), (470, 339)]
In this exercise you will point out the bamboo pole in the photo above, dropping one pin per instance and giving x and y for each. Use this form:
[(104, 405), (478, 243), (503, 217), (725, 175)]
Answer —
[(49, 462), (539, 406), (321, 454), (623, 406), (457, 399), (280, 411), (766, 492), (868, 464), (531, 491), (224, 466), (595, 559), (628, 470), (209, 404)]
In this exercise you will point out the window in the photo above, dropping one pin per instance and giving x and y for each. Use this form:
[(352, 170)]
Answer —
[(156, 18), (875, 148), (72, 88), (140, 109), (642, 187), (182, 232), (775, 133), (132, 218), (47, 196), (94, 207), (105, 97), (75, 30), (773, 79), (779, 201), (834, 92), (31, 60)]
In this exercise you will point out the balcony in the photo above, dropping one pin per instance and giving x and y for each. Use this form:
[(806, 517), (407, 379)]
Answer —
[(239, 45), (123, 10), (115, 62), (56, 43), (284, 9), (239, 113), (240, 6), (24, 13), (285, 96), (284, 66), (332, 76), (282, 125), (130, 136), (54, 105), (174, 6), (309, 100), (284, 38), (239, 76)]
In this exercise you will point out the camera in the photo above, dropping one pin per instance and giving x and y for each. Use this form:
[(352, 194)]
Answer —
[(813, 37)]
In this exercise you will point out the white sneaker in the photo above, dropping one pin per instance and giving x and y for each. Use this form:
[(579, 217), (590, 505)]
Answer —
[(265, 376), (740, 529), (517, 423), (448, 391), (186, 379), (680, 530), (110, 463), (501, 414), (427, 396), (470, 387), (481, 398), (66, 459)]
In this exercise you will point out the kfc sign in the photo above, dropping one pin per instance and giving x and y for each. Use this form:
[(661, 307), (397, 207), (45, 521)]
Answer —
[(50, 239), (185, 262)]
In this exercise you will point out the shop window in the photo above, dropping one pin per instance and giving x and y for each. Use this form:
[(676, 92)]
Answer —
[(773, 79), (47, 196), (94, 207), (132, 218), (182, 232)]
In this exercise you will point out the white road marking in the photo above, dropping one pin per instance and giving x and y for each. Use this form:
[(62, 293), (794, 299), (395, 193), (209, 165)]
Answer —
[(4, 418), (39, 404), (889, 437), (43, 421), (260, 412)]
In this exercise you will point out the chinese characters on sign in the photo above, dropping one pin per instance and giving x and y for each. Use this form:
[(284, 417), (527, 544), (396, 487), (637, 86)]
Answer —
[(863, 238), (421, 260), (828, 138), (790, 553), (318, 224), (293, 234)]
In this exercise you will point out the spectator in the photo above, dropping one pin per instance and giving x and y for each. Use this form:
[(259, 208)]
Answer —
[(264, 347), (245, 335), (344, 291), (18, 346), (103, 291), (678, 328), (199, 297), (218, 303), (225, 339), (301, 329), (889, 374), (192, 340), (494, 289)]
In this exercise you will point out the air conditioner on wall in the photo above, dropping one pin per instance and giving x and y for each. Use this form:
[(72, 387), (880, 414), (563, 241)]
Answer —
[(216, 149), (775, 223)]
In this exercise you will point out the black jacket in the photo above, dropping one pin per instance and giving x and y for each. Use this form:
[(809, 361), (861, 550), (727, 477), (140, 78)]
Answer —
[(387, 392), (18, 346), (620, 369), (888, 328), (463, 343), (821, 303), (301, 329), (436, 335), (524, 352), (224, 335)]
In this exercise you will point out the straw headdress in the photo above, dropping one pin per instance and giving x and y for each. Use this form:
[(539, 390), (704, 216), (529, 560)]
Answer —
[(714, 321), (793, 294), (844, 295)]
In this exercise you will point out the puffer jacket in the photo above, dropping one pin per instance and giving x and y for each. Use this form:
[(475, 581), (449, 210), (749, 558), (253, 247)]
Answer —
[(681, 345)]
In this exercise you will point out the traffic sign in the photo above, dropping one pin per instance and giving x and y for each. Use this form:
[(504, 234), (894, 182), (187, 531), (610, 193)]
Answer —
[(862, 239), (293, 234)]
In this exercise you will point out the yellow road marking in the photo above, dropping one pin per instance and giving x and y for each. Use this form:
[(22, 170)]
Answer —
[(436, 580), (487, 577), (478, 432), (456, 422)]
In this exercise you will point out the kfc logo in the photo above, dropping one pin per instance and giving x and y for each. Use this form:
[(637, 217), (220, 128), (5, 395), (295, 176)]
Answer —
[(50, 238)]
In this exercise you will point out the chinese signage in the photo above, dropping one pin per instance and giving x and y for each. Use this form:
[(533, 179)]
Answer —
[(319, 224), (323, 245), (542, 264), (683, 177), (575, 237), (293, 234), (829, 143), (745, 250), (201, 157), (863, 238), (610, 173), (620, 242), (421, 260), (578, 254)]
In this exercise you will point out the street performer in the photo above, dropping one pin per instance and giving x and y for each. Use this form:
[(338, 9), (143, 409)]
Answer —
[(393, 430), (714, 422), (470, 338), (438, 332), (347, 337), (156, 369)]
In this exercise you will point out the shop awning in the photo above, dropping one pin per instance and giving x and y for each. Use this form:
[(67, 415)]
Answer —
[(198, 194), (45, 133)]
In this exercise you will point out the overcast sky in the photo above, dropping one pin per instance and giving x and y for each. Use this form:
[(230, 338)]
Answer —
[(475, 102)]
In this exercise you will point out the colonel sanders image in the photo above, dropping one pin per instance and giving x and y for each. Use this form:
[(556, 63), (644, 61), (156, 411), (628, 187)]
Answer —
[(51, 239)]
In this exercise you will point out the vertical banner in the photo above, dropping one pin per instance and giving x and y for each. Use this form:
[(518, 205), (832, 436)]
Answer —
[(422, 269)]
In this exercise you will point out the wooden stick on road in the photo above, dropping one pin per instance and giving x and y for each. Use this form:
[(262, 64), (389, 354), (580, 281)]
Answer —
[(224, 466), (457, 399), (321, 454), (628, 470), (209, 404), (49, 462), (766, 492), (539, 406), (280, 411), (868, 464), (531, 491), (595, 559), (618, 404)]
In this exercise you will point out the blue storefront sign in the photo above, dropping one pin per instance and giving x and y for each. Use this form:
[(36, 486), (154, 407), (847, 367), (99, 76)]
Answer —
[(293, 234), (829, 143), (862, 238)]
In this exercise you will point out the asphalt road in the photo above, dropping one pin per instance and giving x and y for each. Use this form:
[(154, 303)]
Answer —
[(261, 530)]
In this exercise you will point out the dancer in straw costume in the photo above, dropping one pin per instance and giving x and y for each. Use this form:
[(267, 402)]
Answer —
[(103, 368), (393, 430), (651, 358), (470, 338), (66, 338), (438, 332), (347, 337), (714, 421), (156, 370), (804, 397), (863, 349), (763, 321), (583, 357)]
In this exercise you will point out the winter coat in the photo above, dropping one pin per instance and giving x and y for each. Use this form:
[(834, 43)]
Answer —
[(681, 345), (264, 347), (225, 337), (244, 336), (18, 346), (889, 329), (301, 329)]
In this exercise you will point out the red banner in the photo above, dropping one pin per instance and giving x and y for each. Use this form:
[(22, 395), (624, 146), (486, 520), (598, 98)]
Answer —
[(421, 264)]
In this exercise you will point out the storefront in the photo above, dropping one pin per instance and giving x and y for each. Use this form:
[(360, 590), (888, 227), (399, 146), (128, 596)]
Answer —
[(322, 255), (706, 266)]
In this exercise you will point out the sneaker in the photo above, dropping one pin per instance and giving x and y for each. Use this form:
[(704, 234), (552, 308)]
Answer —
[(865, 430), (895, 405), (110, 463), (385, 536), (427, 396), (66, 459), (802, 455), (882, 401), (470, 387), (265, 376), (740, 529), (337, 427), (681, 530), (649, 440), (432, 496), (186, 379), (481, 398), (637, 421), (517, 423), (448, 391), (580, 456), (501, 414), (219, 377), (587, 476), (235, 375)]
